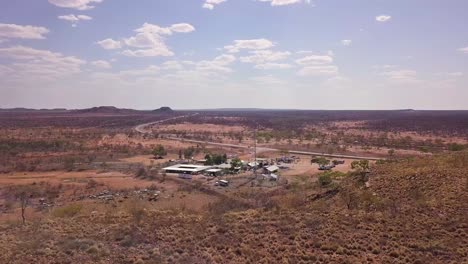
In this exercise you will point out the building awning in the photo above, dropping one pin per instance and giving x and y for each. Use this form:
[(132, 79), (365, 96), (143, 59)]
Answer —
[(223, 166), (273, 168), (214, 170), (187, 168)]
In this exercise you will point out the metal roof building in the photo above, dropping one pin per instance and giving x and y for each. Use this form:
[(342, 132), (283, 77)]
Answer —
[(272, 169), (186, 168)]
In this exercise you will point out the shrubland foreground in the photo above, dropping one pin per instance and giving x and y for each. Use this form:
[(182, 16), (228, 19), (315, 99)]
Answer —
[(411, 210), (88, 186)]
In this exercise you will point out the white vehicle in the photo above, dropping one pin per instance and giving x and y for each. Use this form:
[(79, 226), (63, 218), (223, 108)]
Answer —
[(223, 183)]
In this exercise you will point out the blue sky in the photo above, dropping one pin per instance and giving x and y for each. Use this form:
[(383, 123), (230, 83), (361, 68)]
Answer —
[(322, 54)]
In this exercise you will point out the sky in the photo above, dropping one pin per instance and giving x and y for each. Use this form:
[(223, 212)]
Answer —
[(198, 54)]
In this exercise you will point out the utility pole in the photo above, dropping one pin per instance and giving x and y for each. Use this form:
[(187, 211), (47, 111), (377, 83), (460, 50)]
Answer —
[(255, 151)]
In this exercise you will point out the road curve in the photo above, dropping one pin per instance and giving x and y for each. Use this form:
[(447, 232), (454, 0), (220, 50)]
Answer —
[(142, 129)]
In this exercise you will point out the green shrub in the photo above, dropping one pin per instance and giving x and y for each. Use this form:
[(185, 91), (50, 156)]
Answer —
[(320, 161), (456, 147), (67, 211), (325, 179)]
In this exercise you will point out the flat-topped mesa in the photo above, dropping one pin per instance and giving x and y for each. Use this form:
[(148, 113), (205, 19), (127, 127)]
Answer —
[(105, 110)]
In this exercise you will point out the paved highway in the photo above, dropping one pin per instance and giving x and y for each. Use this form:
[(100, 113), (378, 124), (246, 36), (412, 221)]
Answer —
[(143, 129), (264, 149)]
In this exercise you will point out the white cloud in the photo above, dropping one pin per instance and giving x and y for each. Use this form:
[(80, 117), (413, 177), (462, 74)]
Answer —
[(329, 53), (75, 4), (10, 31), (84, 17), (5, 71), (400, 75), (153, 52), (218, 64), (464, 50), (74, 19), (149, 40), (189, 72), (383, 18), (31, 64), (267, 79), (172, 65), (385, 67), (284, 2), (318, 70), (182, 28), (315, 59), (273, 66), (150, 70), (263, 56), (337, 82), (455, 74), (346, 42), (451, 74), (101, 64), (304, 52), (210, 4), (263, 59), (317, 65), (252, 44), (110, 44)]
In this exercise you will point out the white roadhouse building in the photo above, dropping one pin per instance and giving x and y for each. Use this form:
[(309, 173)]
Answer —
[(187, 169)]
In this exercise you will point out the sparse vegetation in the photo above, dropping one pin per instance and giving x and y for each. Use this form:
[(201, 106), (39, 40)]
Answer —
[(159, 151), (99, 196), (68, 211), (325, 179)]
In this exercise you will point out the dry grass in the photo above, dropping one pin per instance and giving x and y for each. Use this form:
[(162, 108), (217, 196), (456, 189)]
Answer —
[(414, 211)]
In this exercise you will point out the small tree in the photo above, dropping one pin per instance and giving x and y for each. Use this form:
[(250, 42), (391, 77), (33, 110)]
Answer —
[(320, 161), (361, 169), (325, 179), (188, 153), (236, 163), (455, 147), (215, 159), (24, 194), (208, 159), (361, 165), (218, 159), (69, 164), (24, 202), (349, 197), (159, 151)]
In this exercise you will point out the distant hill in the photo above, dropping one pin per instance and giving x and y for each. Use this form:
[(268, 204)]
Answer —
[(106, 110), (164, 109), (22, 109)]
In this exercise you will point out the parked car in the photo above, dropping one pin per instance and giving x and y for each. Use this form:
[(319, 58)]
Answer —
[(222, 183), (326, 167)]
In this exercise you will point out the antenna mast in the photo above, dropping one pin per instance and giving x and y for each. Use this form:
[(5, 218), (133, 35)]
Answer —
[(255, 151)]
